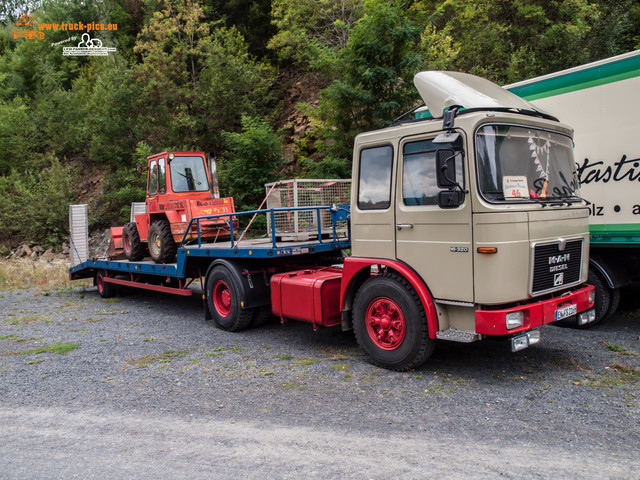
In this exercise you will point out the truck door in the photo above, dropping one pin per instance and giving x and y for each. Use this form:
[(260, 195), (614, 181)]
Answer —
[(434, 240), (372, 227)]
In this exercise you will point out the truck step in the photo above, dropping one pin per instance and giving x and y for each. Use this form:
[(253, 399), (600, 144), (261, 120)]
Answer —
[(456, 335)]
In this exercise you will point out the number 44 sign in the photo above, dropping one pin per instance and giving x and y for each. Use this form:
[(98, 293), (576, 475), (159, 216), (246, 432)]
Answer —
[(515, 187)]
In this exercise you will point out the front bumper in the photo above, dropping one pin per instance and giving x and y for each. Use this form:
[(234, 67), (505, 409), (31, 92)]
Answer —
[(536, 313)]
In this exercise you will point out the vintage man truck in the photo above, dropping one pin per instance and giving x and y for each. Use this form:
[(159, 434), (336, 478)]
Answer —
[(464, 224), (601, 102)]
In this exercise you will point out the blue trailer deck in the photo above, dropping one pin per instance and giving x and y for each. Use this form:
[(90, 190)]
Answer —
[(191, 256)]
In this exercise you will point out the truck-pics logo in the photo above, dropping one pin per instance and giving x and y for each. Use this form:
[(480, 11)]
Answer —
[(558, 279), (26, 27)]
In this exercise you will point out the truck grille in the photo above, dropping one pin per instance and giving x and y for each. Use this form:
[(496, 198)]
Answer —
[(554, 269)]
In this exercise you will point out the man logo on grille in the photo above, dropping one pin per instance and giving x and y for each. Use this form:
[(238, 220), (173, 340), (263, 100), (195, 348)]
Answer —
[(558, 279)]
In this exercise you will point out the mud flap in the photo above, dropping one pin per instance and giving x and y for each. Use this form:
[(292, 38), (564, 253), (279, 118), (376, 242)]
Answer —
[(207, 312)]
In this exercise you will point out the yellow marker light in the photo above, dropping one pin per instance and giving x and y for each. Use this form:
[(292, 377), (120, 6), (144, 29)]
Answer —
[(249, 252), (488, 250)]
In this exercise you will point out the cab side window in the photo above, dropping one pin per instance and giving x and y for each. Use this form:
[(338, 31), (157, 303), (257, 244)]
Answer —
[(374, 184), (419, 176), (162, 176), (152, 185)]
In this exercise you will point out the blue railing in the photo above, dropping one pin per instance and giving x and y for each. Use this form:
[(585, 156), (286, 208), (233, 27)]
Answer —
[(338, 213)]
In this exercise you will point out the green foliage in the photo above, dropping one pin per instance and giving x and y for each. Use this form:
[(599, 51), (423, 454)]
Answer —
[(507, 41), (124, 185), (114, 118), (313, 31), (18, 135), (233, 83), (376, 85), (252, 159), (34, 203)]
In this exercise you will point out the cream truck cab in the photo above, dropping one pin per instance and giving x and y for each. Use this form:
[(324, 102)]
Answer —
[(477, 206)]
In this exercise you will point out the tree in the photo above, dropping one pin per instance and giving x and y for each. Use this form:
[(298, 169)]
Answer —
[(312, 31), (507, 41), (253, 158), (378, 64), (233, 83), (172, 58)]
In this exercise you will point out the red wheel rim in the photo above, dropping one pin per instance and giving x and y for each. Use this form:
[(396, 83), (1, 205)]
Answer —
[(222, 298), (385, 323), (126, 243), (100, 283)]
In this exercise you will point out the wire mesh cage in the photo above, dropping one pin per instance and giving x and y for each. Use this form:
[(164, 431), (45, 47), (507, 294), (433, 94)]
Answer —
[(303, 224)]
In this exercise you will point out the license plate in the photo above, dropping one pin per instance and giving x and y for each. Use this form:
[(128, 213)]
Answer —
[(566, 312)]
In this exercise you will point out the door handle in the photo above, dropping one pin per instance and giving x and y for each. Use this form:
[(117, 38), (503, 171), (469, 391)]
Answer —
[(400, 226)]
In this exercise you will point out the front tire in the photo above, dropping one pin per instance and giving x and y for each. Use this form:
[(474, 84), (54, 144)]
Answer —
[(390, 323), (162, 246), (224, 297)]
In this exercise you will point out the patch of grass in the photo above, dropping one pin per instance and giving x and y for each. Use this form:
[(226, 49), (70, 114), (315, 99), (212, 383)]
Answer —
[(58, 348), (24, 319), (612, 347), (340, 366), (306, 361), (285, 357), (27, 273), (618, 374), (166, 357), (34, 362)]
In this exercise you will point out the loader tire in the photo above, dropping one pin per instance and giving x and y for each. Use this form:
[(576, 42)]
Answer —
[(162, 246), (131, 244)]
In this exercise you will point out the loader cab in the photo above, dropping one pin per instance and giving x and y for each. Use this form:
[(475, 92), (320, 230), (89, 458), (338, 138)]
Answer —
[(176, 174)]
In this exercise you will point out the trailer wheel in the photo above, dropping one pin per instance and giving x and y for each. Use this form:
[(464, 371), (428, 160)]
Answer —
[(224, 301), (131, 244), (105, 289), (390, 323), (162, 246)]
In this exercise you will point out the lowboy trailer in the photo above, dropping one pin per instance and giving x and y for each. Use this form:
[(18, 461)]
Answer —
[(464, 224)]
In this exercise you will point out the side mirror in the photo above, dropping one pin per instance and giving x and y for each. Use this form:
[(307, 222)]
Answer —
[(450, 198), (139, 167), (446, 168)]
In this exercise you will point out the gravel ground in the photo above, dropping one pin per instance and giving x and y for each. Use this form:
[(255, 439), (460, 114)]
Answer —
[(148, 389)]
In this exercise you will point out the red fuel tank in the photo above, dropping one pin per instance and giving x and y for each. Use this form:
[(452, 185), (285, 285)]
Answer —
[(310, 295)]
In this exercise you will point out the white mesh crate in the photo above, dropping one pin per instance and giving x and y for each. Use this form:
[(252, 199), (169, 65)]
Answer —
[(303, 225)]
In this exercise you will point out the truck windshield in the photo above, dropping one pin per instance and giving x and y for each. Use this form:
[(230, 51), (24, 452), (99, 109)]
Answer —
[(188, 174), (517, 164)]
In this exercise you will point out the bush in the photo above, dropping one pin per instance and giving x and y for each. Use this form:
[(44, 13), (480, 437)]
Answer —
[(34, 203), (253, 158)]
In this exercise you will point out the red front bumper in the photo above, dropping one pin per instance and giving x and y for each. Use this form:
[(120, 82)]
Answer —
[(536, 314)]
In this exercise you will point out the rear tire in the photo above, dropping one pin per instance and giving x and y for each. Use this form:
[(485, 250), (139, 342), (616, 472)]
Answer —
[(224, 297), (162, 246), (390, 323), (131, 244), (105, 289)]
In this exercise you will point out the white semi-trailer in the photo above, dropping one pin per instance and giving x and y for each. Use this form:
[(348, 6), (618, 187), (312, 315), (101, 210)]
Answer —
[(601, 101)]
